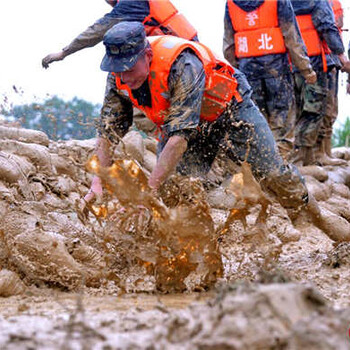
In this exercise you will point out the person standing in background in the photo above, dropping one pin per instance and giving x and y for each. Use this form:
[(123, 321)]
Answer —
[(325, 49), (260, 38), (323, 153)]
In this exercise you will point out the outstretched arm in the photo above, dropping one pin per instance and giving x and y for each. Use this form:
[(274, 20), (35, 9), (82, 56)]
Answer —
[(124, 10), (89, 38)]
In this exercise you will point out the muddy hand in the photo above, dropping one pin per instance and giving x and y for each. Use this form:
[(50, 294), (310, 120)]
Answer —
[(346, 67), (345, 63), (311, 78), (95, 191), (52, 57)]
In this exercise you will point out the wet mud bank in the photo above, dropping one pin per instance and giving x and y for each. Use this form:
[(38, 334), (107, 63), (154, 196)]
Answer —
[(223, 265)]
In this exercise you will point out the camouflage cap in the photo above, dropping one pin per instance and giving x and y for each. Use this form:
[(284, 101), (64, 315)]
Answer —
[(124, 42)]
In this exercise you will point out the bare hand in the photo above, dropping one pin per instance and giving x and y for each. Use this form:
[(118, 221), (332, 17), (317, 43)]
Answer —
[(346, 67), (348, 88), (311, 78), (345, 63), (95, 191), (52, 57)]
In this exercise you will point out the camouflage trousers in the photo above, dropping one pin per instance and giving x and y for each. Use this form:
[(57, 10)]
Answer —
[(311, 101), (275, 99), (242, 134), (331, 114)]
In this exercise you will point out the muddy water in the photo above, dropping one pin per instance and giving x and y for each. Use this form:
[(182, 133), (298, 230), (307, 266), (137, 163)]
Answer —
[(237, 316), (182, 242), (36, 302), (177, 246)]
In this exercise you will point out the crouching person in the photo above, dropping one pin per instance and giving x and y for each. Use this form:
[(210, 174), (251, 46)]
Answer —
[(201, 105)]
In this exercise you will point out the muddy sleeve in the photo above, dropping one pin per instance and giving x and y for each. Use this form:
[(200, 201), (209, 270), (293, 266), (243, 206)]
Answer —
[(186, 86), (292, 37), (116, 113), (229, 39), (125, 10), (324, 22)]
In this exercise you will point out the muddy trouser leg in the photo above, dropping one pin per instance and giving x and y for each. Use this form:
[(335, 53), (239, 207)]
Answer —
[(332, 107), (275, 99), (252, 140), (312, 112), (282, 113)]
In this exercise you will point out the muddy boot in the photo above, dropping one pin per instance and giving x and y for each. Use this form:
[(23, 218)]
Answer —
[(322, 157), (334, 226), (303, 156)]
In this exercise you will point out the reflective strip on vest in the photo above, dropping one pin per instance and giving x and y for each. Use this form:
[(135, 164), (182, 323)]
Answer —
[(220, 85), (171, 22), (257, 32)]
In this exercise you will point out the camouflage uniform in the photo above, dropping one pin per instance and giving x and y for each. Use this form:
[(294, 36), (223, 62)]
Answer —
[(241, 131), (312, 99), (326, 129), (331, 112), (125, 10), (270, 75)]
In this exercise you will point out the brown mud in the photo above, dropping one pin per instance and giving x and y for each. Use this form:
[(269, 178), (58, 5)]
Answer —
[(243, 276)]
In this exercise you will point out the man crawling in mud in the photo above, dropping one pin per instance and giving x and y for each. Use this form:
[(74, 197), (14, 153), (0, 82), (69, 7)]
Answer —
[(200, 105)]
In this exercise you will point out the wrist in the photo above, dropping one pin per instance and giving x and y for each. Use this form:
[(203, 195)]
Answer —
[(65, 51)]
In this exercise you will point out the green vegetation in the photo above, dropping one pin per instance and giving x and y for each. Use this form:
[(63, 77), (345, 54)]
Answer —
[(59, 119), (341, 136)]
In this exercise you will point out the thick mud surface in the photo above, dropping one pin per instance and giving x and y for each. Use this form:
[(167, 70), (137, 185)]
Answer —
[(220, 267)]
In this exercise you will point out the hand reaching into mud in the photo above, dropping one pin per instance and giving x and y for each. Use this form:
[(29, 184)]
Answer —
[(95, 191), (52, 57)]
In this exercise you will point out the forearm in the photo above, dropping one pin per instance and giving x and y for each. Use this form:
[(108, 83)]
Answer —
[(323, 20), (296, 49), (91, 36), (168, 160), (292, 38), (103, 152)]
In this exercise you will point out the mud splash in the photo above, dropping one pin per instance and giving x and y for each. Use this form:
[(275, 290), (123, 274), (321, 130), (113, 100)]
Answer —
[(177, 246)]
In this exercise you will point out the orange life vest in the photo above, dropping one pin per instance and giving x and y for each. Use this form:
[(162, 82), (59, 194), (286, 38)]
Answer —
[(313, 43), (171, 22), (257, 32), (338, 12), (220, 85)]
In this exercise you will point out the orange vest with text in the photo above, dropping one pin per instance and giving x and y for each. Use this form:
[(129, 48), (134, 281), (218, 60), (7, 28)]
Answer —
[(314, 45), (170, 21), (220, 85), (257, 32)]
